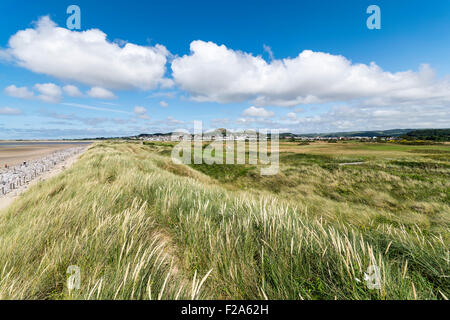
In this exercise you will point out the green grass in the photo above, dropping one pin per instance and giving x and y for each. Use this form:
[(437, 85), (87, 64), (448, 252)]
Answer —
[(225, 173), (142, 227)]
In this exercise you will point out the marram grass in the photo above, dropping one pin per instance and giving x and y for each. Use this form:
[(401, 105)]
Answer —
[(140, 227)]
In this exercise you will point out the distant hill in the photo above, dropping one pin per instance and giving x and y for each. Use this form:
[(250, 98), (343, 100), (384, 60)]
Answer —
[(408, 134), (373, 133), (428, 134), (148, 135), (381, 133)]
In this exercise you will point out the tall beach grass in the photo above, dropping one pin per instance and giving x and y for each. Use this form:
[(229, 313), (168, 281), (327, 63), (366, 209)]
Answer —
[(140, 227)]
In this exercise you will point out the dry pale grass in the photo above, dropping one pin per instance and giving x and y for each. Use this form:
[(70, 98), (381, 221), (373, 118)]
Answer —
[(139, 228)]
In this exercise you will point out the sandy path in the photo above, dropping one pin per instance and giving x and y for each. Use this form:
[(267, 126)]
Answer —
[(351, 163), (7, 199)]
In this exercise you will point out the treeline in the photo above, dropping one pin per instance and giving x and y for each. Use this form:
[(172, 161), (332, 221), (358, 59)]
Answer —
[(428, 134)]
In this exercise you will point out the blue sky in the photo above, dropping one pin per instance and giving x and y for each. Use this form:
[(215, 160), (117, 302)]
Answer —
[(230, 64)]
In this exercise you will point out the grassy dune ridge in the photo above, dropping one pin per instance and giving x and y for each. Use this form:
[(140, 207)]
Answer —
[(141, 227)]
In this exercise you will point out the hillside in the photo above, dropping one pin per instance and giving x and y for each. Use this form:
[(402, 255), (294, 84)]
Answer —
[(428, 134), (380, 133)]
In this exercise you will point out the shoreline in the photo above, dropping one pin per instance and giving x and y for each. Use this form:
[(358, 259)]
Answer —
[(7, 199), (15, 153)]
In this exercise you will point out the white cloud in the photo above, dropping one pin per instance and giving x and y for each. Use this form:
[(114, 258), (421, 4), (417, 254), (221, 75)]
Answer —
[(19, 92), (87, 107), (49, 92), (257, 121), (173, 121), (72, 91), (292, 115), (358, 118), (257, 112), (141, 112), (163, 104), (9, 111), (100, 93), (269, 51), (164, 94), (166, 124), (216, 73), (87, 57), (220, 122)]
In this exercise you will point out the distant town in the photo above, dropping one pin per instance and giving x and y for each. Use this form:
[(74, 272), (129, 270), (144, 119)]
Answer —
[(249, 135)]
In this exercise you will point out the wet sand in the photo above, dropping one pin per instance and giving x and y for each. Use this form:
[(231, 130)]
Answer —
[(14, 153)]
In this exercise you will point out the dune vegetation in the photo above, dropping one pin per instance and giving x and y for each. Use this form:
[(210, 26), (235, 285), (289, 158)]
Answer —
[(141, 227)]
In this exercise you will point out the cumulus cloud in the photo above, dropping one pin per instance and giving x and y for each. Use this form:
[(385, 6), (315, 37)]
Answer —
[(292, 115), (49, 92), (216, 73), (357, 118), (100, 93), (163, 104), (87, 57), (19, 92), (10, 111), (141, 112), (257, 112), (72, 91), (173, 121)]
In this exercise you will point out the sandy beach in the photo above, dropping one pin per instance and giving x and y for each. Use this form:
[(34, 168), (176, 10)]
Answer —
[(14, 153), (7, 199)]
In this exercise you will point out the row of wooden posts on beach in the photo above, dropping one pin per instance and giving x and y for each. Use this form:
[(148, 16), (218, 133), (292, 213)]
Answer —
[(14, 177)]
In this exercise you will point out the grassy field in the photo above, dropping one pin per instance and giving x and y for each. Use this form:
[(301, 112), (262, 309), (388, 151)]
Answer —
[(141, 227)]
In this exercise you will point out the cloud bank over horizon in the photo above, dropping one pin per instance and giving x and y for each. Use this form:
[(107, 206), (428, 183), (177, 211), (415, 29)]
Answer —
[(357, 95)]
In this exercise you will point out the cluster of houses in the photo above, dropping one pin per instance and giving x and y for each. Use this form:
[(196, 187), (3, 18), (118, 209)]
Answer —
[(205, 137), (254, 137), (320, 138)]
